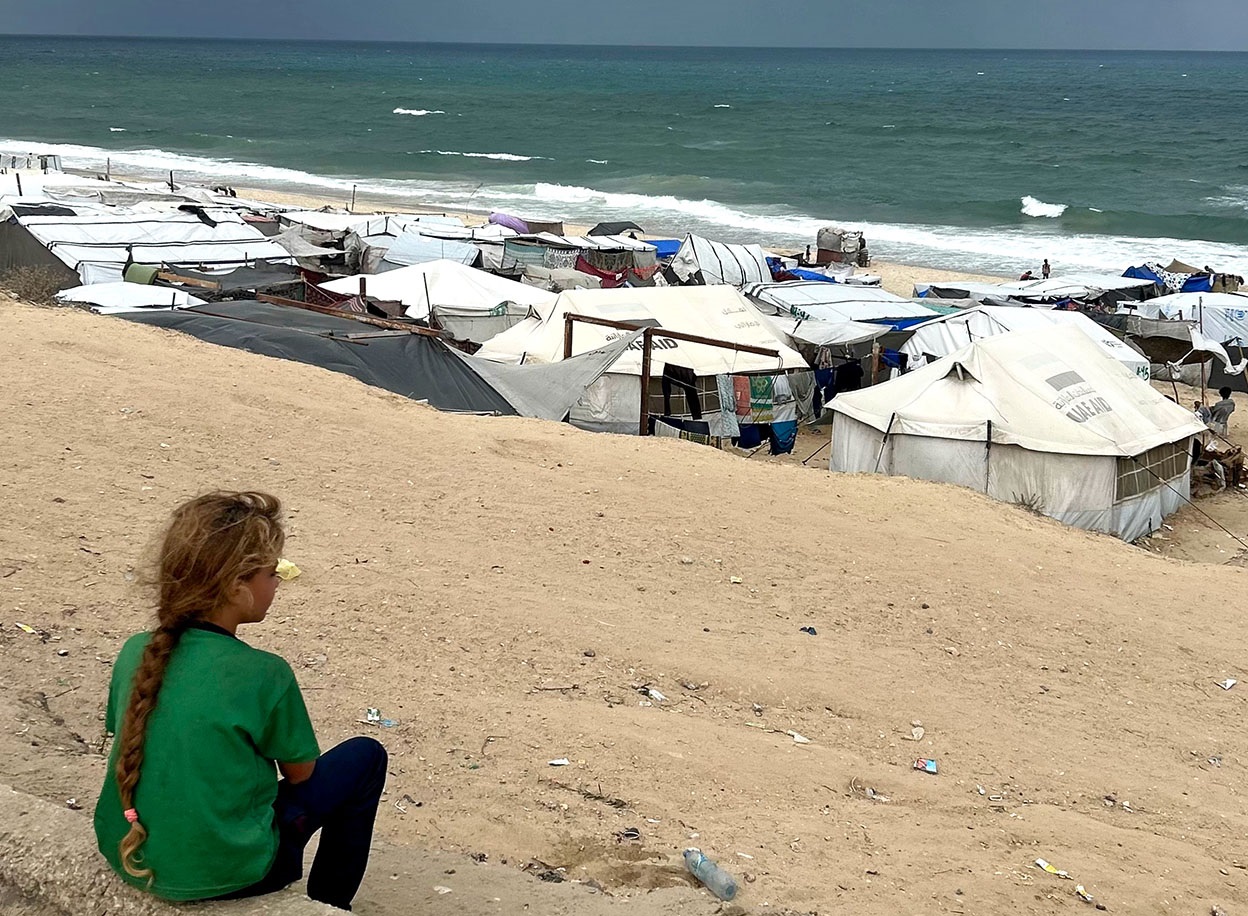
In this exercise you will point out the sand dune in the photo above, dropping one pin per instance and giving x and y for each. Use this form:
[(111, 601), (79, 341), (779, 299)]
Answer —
[(503, 587)]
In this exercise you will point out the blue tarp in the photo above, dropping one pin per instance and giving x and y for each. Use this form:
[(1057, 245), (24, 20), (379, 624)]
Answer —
[(897, 324), (1196, 283), (811, 275), (664, 248)]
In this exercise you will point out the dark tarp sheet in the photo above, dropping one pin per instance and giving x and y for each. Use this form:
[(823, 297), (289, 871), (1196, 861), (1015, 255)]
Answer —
[(262, 274), (411, 365), (615, 228)]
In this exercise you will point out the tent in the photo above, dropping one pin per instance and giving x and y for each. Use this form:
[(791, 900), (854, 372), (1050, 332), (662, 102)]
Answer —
[(837, 302), (469, 303), (701, 261), (615, 228), (939, 337), (1044, 418), (108, 298), (96, 243), (1220, 316), (613, 404), (1176, 276), (1083, 286), (412, 365)]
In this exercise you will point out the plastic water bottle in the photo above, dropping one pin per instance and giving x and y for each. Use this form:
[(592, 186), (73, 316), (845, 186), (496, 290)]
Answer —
[(713, 878)]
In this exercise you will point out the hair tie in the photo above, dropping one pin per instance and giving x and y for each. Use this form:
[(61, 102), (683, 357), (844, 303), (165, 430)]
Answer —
[(131, 815)]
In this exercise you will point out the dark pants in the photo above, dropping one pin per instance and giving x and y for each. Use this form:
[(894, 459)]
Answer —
[(339, 799)]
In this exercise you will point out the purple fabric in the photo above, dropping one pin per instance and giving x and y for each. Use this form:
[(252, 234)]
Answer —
[(511, 222)]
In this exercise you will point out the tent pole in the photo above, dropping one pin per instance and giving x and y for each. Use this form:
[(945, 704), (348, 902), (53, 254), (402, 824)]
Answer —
[(987, 455), (567, 336), (171, 180), (1200, 304), (883, 443), (647, 341), (18, 176), (351, 208)]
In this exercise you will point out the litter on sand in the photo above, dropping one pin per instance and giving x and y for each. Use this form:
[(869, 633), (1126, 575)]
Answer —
[(1045, 866), (926, 765), (287, 570), (1228, 683), (559, 762)]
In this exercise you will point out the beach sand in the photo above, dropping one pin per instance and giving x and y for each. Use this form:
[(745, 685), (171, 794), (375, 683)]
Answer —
[(504, 589)]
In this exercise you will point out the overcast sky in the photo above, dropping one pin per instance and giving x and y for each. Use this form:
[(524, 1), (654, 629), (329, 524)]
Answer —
[(1101, 24)]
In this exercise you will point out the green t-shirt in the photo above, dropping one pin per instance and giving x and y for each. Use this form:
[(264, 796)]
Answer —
[(225, 714)]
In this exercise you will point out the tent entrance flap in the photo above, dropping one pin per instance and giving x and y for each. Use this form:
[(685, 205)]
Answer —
[(648, 332)]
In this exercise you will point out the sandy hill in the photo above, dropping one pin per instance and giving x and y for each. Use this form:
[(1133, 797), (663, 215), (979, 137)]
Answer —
[(502, 588)]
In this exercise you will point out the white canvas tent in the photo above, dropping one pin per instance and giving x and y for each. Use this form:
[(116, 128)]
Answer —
[(470, 303), (711, 263), (1082, 285), (613, 403), (1044, 418), (98, 244), (941, 336), (1219, 316), (835, 302)]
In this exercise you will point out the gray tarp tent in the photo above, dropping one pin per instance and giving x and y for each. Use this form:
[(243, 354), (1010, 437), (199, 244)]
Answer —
[(413, 365)]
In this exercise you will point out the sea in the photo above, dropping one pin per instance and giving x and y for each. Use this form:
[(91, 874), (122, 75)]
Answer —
[(977, 160)]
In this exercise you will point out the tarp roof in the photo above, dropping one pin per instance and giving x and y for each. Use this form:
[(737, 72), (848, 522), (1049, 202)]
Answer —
[(1080, 285), (212, 237), (720, 262), (618, 228), (835, 302), (447, 284), (717, 312), (1220, 316), (412, 365), (942, 336), (826, 333), (415, 248), (1047, 389), (124, 296)]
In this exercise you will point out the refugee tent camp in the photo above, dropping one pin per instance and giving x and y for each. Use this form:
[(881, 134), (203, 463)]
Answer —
[(941, 336), (613, 404), (701, 261), (471, 304), (1044, 418), (837, 302), (96, 244)]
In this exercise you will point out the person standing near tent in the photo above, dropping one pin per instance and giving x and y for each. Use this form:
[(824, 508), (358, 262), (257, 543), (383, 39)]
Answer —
[(1221, 412), (1045, 269), (191, 806)]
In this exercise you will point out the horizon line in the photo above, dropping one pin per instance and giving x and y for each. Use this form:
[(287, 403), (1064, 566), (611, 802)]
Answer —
[(575, 44)]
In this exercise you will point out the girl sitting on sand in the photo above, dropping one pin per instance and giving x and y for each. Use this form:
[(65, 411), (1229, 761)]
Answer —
[(192, 807)]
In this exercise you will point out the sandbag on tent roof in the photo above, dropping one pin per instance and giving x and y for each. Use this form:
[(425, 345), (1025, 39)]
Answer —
[(470, 303), (837, 303), (941, 336), (98, 245), (703, 261), (1042, 417)]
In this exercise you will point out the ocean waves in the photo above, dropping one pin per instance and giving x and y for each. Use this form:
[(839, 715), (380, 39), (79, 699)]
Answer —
[(1035, 207), (498, 157), (418, 112)]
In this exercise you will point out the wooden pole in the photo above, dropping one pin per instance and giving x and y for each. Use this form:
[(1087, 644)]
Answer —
[(18, 176), (647, 344), (567, 335), (171, 179), (108, 169), (351, 208)]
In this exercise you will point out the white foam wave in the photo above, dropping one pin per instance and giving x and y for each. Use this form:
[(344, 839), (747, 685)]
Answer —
[(117, 130), (598, 161), (723, 106), (1038, 208), (418, 112), (502, 157)]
